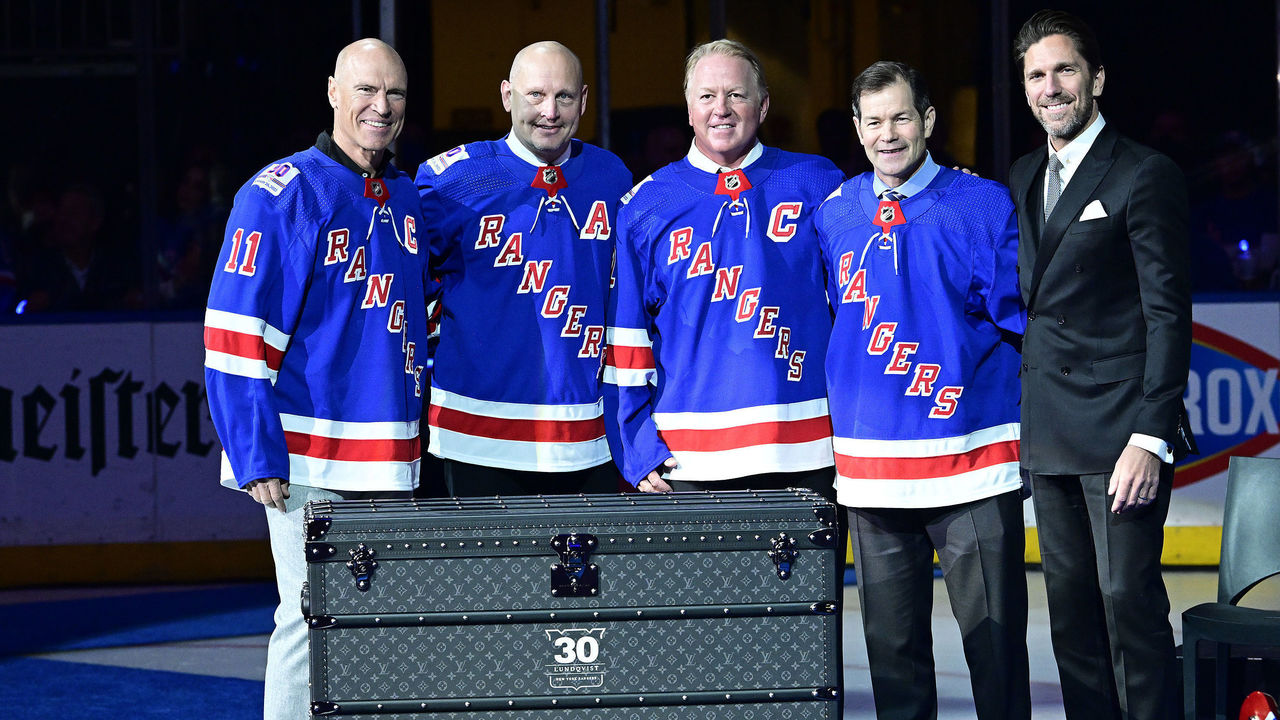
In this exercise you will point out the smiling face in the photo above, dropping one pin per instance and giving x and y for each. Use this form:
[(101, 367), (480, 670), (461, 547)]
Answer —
[(1060, 88), (726, 108), (893, 133), (367, 92), (546, 99)]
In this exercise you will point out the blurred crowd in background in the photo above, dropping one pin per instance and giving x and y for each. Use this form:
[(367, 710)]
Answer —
[(117, 185), (71, 245)]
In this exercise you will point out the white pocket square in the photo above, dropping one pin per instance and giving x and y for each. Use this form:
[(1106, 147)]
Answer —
[(1093, 211)]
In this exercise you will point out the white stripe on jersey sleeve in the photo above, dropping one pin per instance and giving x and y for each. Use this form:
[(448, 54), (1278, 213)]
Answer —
[(723, 419)]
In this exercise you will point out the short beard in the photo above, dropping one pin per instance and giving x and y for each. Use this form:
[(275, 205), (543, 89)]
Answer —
[(1075, 123)]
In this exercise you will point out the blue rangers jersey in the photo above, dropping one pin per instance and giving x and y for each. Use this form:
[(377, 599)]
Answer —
[(922, 369), (523, 253), (718, 323), (315, 332)]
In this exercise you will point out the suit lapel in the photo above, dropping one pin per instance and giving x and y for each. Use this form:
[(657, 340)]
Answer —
[(1092, 169), (1030, 177)]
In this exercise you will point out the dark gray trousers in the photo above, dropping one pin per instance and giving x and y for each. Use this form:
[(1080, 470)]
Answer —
[(1108, 607), (980, 546)]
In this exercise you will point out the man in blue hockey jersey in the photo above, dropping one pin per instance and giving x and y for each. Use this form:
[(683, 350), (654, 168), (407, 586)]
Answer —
[(315, 332), (718, 324), (522, 233), (922, 375)]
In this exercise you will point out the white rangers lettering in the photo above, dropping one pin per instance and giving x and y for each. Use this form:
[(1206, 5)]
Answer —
[(510, 254), (922, 382), (535, 276), (573, 328), (898, 363), (490, 231), (869, 310), (395, 319), (597, 225), (784, 343), (702, 264), (765, 328), (338, 240), (591, 341), (881, 337), (680, 240), (946, 402), (408, 357), (782, 221), (857, 289), (747, 304), (410, 234), (378, 291), (846, 267), (356, 269), (797, 366), (727, 283), (557, 298)]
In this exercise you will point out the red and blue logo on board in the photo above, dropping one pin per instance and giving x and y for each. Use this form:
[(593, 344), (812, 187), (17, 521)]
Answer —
[(1231, 399)]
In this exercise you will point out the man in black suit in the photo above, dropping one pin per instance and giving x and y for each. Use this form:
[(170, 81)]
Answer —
[(1104, 273)]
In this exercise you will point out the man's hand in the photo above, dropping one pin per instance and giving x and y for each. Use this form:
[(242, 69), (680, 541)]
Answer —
[(1134, 480), (654, 482), (269, 491)]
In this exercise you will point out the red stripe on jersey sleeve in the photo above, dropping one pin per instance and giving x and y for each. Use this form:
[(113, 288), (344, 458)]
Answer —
[(786, 432), (898, 468), (234, 343), (242, 345), (327, 448), (628, 357), (520, 430), (275, 357)]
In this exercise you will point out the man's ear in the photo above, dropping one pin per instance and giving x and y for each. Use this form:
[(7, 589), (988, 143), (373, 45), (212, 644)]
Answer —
[(504, 89)]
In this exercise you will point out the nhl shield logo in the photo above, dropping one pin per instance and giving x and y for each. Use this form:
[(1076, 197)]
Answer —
[(888, 214), (374, 189), (732, 183), (550, 179)]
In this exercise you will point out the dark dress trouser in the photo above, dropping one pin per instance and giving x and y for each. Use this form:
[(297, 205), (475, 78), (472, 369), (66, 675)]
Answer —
[(1108, 607), (980, 547), (467, 480)]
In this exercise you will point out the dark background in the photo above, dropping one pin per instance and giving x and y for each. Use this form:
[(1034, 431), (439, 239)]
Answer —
[(134, 98)]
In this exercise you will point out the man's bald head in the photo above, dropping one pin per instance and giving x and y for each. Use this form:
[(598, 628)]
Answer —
[(367, 48), (545, 97), (541, 53), (367, 92)]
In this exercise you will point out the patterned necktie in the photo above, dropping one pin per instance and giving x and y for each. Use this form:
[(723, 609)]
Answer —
[(1053, 181), (893, 196)]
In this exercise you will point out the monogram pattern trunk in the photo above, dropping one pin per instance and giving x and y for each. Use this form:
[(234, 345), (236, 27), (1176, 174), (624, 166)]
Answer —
[(683, 606)]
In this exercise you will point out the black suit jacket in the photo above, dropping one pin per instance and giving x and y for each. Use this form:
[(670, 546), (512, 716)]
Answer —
[(1108, 342)]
